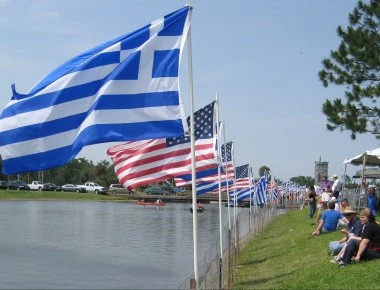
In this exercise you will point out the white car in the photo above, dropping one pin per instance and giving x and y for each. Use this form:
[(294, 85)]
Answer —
[(118, 188)]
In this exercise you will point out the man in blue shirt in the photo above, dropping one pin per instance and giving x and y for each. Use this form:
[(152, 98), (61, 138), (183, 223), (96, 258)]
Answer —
[(329, 220)]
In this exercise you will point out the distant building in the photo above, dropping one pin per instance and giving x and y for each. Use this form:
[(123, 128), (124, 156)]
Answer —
[(321, 169)]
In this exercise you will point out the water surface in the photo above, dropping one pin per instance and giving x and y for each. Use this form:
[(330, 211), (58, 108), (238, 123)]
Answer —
[(92, 244)]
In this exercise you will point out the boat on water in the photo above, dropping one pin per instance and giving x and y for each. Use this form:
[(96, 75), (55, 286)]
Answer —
[(199, 209), (154, 203), (239, 204)]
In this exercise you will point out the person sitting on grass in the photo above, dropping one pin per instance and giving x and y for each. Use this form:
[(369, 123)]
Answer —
[(322, 205), (353, 231), (344, 204), (369, 246), (329, 220)]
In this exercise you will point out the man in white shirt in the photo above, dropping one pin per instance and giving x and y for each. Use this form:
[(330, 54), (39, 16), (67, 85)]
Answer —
[(337, 186)]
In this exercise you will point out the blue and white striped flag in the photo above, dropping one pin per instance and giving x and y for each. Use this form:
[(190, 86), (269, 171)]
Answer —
[(260, 190), (124, 89)]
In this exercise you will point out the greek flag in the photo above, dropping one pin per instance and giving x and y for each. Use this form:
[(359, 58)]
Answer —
[(260, 190), (124, 89)]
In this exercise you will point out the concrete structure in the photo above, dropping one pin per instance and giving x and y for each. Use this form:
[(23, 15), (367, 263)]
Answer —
[(321, 169)]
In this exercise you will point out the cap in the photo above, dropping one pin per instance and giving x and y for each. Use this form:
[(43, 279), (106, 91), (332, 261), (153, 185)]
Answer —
[(335, 176), (371, 186), (333, 199), (348, 210)]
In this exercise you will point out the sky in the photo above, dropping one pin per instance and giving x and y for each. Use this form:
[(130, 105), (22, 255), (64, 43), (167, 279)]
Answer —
[(261, 58)]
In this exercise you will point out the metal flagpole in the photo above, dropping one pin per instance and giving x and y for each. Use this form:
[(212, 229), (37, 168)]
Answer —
[(344, 182), (250, 194), (193, 169), (218, 140), (230, 272), (227, 178), (362, 191), (235, 197)]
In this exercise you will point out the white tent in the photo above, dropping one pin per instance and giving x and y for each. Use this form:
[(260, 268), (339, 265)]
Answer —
[(368, 158), (373, 173)]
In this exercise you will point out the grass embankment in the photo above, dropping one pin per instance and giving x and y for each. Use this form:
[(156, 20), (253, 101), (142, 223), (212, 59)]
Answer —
[(284, 256), (52, 195)]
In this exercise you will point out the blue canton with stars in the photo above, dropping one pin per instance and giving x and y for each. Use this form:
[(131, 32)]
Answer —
[(203, 126), (226, 152), (242, 171)]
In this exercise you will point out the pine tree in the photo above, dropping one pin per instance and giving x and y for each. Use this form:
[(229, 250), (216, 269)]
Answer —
[(356, 65)]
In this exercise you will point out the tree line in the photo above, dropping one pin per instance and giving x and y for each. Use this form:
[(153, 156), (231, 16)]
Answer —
[(77, 171)]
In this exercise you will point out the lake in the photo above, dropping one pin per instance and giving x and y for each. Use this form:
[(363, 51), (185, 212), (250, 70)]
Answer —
[(94, 244)]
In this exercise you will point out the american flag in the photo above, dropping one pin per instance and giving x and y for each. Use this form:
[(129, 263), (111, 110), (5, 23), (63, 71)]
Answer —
[(211, 175), (243, 187), (208, 180), (242, 177), (144, 162), (124, 89), (227, 159)]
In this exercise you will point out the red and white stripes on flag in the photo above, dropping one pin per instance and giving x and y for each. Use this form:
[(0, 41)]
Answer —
[(143, 162)]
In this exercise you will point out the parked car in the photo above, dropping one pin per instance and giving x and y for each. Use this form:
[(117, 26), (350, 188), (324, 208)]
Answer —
[(18, 184), (155, 190), (3, 185), (168, 188), (51, 186), (72, 188), (94, 187), (118, 188)]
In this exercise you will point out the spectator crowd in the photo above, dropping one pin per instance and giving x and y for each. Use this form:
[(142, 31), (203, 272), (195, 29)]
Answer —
[(360, 231)]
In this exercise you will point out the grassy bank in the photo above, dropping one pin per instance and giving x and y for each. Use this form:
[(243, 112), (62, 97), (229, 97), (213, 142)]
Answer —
[(285, 257), (51, 195)]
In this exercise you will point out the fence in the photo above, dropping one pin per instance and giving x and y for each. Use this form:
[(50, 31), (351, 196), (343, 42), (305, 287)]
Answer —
[(218, 273), (357, 197)]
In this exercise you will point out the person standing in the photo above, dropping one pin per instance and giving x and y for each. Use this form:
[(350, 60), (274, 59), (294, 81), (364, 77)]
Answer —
[(325, 183), (312, 201), (337, 186), (372, 199)]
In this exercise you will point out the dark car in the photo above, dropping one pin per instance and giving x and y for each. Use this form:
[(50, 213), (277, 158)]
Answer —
[(155, 190), (18, 185), (3, 185), (72, 188), (51, 186), (168, 188)]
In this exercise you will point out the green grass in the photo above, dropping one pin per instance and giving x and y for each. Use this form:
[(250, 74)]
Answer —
[(51, 195), (284, 256)]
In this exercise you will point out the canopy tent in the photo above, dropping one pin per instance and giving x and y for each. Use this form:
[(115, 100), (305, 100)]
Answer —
[(368, 158), (373, 173)]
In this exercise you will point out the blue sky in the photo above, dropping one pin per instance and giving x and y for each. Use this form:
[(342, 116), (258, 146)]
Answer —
[(261, 57)]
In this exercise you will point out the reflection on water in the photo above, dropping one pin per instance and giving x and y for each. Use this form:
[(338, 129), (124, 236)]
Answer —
[(76, 244)]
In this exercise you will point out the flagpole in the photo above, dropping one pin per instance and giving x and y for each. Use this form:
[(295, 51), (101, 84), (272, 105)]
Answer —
[(218, 140), (235, 196), (227, 179), (250, 193), (193, 169)]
